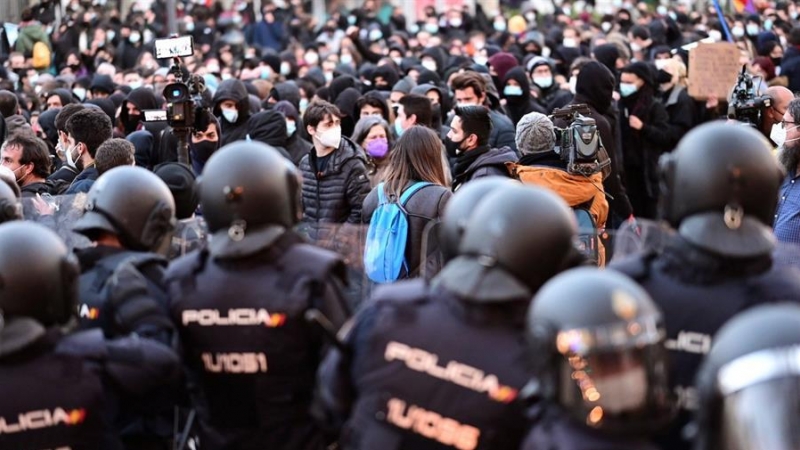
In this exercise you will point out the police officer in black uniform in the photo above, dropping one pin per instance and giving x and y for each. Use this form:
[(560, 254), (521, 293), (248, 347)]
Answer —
[(129, 216), (460, 208), (240, 305), (440, 365), (719, 191), (60, 390), (749, 384), (596, 344)]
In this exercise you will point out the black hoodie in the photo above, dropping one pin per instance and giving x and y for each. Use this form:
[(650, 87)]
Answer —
[(607, 54), (519, 105), (287, 91), (269, 127), (339, 84), (346, 102), (389, 75), (143, 98), (233, 89), (65, 96)]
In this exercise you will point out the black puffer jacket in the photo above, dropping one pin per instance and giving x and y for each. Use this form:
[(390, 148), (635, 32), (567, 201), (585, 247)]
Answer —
[(232, 89), (336, 194), (424, 207)]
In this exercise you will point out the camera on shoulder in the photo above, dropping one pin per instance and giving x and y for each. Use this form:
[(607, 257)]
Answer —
[(579, 143)]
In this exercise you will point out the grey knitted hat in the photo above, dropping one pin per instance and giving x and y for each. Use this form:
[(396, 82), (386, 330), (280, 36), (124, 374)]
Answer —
[(535, 134)]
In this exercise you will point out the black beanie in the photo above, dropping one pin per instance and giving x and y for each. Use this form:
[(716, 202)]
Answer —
[(181, 182)]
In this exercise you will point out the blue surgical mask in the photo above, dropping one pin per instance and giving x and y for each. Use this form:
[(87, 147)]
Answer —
[(627, 89), (291, 127), (512, 91), (398, 128), (303, 105), (543, 82)]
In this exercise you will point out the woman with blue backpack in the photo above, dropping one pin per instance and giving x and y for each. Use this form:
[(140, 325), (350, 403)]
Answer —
[(403, 209)]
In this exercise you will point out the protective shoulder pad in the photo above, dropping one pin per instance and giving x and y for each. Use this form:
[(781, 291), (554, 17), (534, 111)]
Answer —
[(314, 261), (136, 259), (635, 266), (407, 291), (88, 344), (186, 266)]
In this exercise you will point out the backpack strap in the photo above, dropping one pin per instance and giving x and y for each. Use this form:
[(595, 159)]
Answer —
[(405, 196), (381, 194)]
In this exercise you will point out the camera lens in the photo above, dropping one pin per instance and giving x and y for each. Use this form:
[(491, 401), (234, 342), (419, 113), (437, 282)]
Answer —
[(176, 93)]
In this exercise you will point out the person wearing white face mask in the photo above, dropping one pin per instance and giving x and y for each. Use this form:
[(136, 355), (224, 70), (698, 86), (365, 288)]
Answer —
[(335, 180), (86, 131), (645, 136), (772, 116), (787, 221), (232, 107), (296, 144), (547, 92)]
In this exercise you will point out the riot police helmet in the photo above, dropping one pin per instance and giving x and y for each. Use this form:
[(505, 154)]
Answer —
[(596, 343), (133, 204), (248, 195), (38, 274), (719, 189), (749, 383), (518, 237), (459, 209)]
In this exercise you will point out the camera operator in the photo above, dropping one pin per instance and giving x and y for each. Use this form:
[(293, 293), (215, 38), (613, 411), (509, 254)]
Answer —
[(541, 165)]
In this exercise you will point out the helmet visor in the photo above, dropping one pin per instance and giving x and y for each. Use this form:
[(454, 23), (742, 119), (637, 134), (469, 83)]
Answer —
[(762, 416), (614, 378)]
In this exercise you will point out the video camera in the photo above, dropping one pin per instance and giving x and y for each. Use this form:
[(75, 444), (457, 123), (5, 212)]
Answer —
[(184, 96), (579, 142), (745, 106)]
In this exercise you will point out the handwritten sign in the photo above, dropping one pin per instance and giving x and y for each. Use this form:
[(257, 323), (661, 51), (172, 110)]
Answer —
[(713, 69)]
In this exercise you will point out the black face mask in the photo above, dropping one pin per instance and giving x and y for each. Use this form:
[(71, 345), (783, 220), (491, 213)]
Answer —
[(131, 124), (203, 150), (452, 147), (776, 61)]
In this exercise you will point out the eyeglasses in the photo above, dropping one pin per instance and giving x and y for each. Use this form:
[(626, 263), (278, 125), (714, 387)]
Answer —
[(784, 122)]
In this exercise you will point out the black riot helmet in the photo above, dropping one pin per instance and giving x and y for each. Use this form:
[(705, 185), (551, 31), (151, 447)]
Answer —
[(596, 341), (749, 383), (10, 208), (249, 195), (132, 203), (518, 237), (38, 274), (720, 187), (459, 209)]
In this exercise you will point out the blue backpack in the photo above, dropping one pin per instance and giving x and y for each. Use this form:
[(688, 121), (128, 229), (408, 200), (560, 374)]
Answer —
[(385, 250)]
